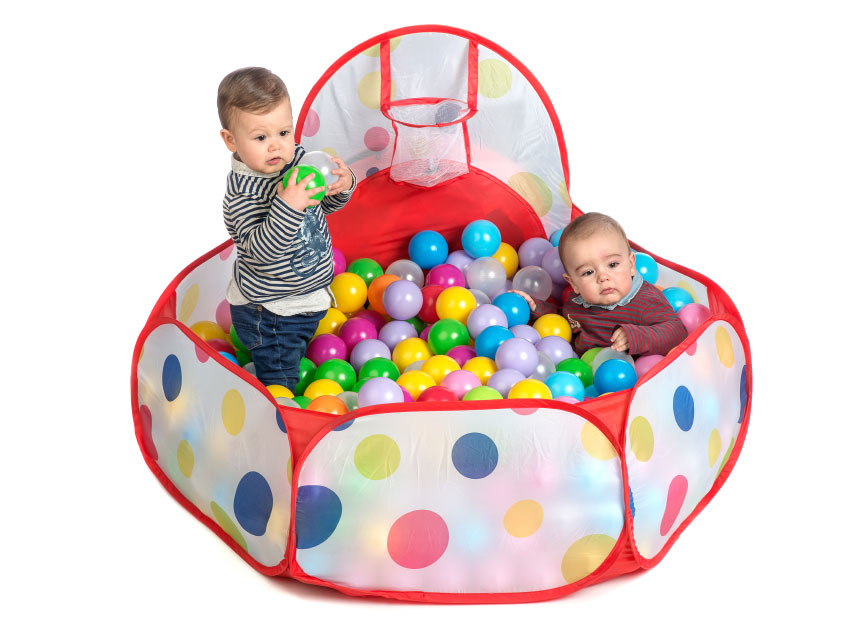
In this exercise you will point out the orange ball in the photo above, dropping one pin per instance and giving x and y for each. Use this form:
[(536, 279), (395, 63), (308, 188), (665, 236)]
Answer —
[(328, 404), (375, 293)]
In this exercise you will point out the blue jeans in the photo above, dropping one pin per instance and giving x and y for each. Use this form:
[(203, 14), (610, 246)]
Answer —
[(277, 342)]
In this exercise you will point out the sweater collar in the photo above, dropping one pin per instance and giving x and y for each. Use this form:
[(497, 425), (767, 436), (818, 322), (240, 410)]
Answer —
[(635, 287), (239, 168)]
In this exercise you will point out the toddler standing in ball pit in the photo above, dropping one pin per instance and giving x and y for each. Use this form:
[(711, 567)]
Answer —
[(612, 305), (279, 288)]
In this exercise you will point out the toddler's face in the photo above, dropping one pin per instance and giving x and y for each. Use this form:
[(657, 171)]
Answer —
[(600, 268), (264, 142)]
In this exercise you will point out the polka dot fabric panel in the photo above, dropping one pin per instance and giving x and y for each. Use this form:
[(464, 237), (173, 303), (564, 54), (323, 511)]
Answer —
[(459, 501), (681, 429), (218, 440), (201, 295)]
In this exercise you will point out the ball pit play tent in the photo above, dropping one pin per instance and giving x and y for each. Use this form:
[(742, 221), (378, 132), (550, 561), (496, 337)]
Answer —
[(487, 501)]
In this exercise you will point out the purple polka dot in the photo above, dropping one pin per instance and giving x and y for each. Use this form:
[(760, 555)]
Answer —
[(312, 124), (376, 138)]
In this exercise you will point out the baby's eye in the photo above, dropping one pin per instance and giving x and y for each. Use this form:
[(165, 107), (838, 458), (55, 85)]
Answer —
[(587, 273), (284, 133), (261, 138), (614, 265)]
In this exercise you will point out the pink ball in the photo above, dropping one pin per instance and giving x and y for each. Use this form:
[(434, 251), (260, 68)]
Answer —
[(460, 382), (374, 317), (693, 315), (461, 354), (568, 399), (645, 363), (424, 333), (406, 395), (445, 275), (325, 347), (357, 329), (339, 260)]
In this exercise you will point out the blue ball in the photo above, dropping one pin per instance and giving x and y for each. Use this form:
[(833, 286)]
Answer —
[(514, 307), (428, 249), (565, 384), (554, 239), (647, 267), (481, 238), (230, 356), (614, 375), (677, 297), (489, 340)]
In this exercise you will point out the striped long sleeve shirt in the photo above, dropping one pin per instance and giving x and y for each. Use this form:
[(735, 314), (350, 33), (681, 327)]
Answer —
[(649, 322), (281, 252)]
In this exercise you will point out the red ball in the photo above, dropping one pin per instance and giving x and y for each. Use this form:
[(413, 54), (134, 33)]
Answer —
[(428, 312), (438, 392)]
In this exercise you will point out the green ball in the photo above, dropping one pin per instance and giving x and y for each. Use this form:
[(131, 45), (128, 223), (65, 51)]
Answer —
[(307, 369), (365, 268), (337, 370), (303, 171), (589, 355), (482, 392), (302, 401), (243, 357), (417, 323), (577, 367), (379, 366), (357, 387), (445, 334), (235, 341)]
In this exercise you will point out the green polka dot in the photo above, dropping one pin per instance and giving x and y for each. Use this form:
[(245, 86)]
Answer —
[(377, 457), (228, 525), (185, 458), (533, 190)]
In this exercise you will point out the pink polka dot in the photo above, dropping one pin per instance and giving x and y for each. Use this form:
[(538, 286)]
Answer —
[(524, 411), (223, 315), (147, 432), (674, 502), (376, 138), (692, 348), (312, 124), (227, 252), (201, 354), (417, 539)]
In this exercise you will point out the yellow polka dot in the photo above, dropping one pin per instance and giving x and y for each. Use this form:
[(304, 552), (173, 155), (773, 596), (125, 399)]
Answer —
[(494, 78), (228, 525), (533, 190), (330, 151), (564, 193), (724, 347), (641, 439), (185, 458), (585, 556), (369, 90), (374, 51), (714, 447), (189, 303), (277, 526), (686, 286), (727, 456), (234, 411), (595, 443), (523, 518), (377, 457), (290, 469)]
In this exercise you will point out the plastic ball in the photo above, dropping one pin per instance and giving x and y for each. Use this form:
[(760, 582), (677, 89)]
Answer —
[(486, 275), (394, 332), (287, 402), (230, 357), (460, 382), (339, 260), (437, 393), (323, 162), (307, 369), (533, 280), (553, 324), (484, 316), (545, 367), (243, 357), (517, 354), (460, 259), (606, 354), (482, 367), (327, 404), (531, 251), (565, 384), (415, 382), (489, 340), (577, 367), (482, 393), (567, 399), (643, 364), (693, 315), (233, 335), (503, 380), (366, 350), (445, 275), (325, 347), (221, 345), (515, 308), (445, 334), (322, 387), (677, 297), (378, 367), (428, 310), (554, 238), (455, 303), (615, 375), (376, 319), (438, 366), (481, 238), (365, 268), (350, 399), (331, 322), (337, 370), (507, 255), (402, 299), (480, 296), (416, 365), (350, 292), (206, 330), (356, 330), (406, 269), (302, 401), (418, 324), (303, 171), (530, 388), (553, 265), (646, 266), (376, 289), (428, 248), (526, 332), (589, 355), (279, 391), (557, 348), (409, 350), (406, 395), (379, 391), (461, 354), (360, 384)]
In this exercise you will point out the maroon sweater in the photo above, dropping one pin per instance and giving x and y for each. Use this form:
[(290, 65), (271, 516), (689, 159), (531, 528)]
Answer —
[(649, 322)]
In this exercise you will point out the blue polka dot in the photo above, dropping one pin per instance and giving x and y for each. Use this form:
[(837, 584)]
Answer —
[(281, 422), (631, 502), (475, 455), (743, 394), (684, 408), (171, 377), (344, 426), (372, 171), (318, 511), (253, 503)]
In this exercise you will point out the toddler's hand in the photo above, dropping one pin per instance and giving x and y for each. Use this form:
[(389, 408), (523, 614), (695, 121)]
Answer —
[(296, 195), (344, 175), (619, 340), (532, 305)]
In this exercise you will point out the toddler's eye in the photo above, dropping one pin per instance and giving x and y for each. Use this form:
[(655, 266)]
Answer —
[(587, 273), (261, 138), (284, 133), (614, 265)]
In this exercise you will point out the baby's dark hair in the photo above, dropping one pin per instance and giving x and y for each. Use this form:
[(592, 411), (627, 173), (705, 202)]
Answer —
[(586, 225), (254, 90)]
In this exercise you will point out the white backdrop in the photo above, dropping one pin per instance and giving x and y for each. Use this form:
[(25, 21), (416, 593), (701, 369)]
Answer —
[(713, 132)]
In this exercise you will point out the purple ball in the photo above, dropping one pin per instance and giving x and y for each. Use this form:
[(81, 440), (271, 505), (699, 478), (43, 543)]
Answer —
[(460, 259), (460, 382), (553, 266), (693, 315), (531, 252), (517, 354), (503, 380), (483, 316), (461, 354), (325, 347), (645, 363), (379, 391), (526, 332), (556, 347), (356, 330), (395, 331), (402, 299), (339, 260), (375, 318), (366, 350), (446, 275)]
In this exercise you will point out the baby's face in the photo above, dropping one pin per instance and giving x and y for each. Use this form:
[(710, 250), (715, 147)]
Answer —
[(264, 142), (600, 268)]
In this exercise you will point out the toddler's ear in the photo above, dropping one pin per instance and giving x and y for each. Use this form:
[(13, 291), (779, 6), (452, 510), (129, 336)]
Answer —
[(229, 140)]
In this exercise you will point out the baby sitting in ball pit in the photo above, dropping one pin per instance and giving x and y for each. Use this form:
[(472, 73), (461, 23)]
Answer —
[(612, 305)]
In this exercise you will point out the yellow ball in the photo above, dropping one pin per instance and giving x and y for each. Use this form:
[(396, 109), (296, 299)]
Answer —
[(208, 330), (409, 350), (508, 257), (331, 323), (482, 367), (438, 366), (416, 382), (455, 303), (322, 387), (350, 292), (553, 324), (279, 391), (530, 388)]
